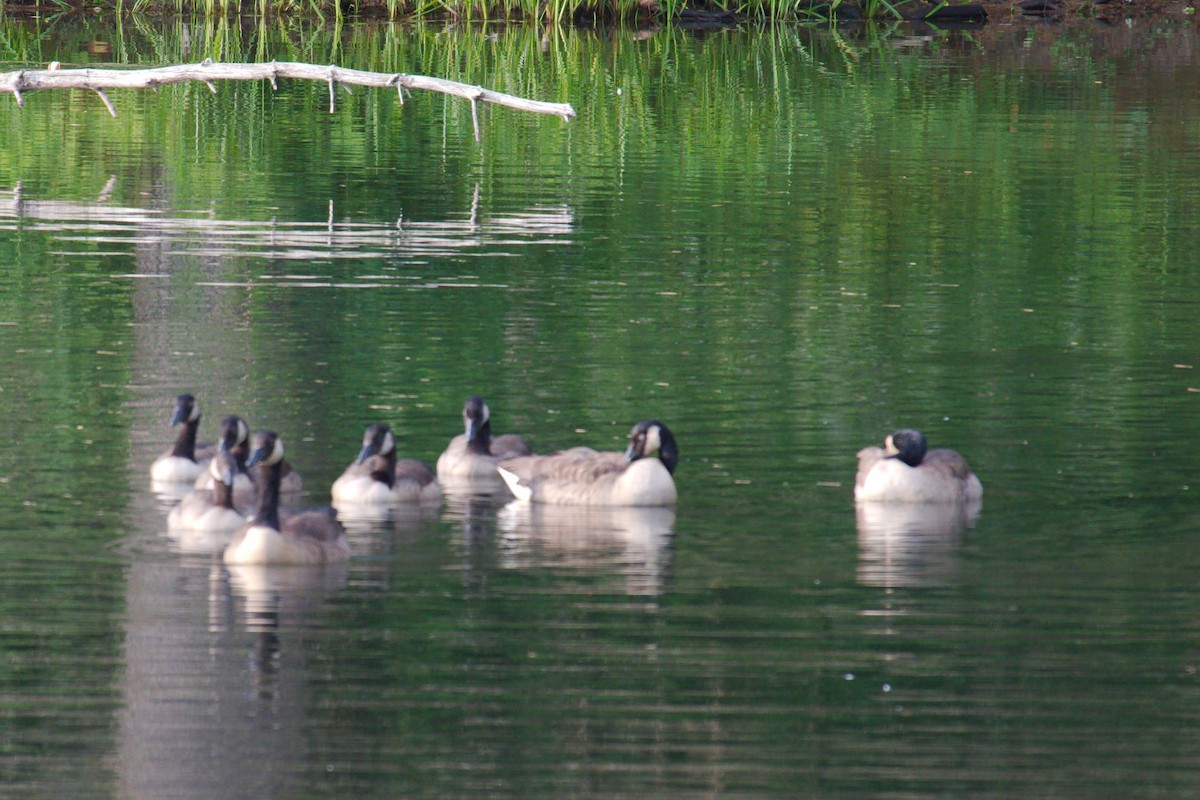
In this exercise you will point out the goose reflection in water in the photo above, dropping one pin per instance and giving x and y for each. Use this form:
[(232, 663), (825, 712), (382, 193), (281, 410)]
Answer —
[(216, 680), (911, 544), (632, 542), (270, 594)]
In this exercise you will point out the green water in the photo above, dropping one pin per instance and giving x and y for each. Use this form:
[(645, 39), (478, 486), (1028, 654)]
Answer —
[(783, 244)]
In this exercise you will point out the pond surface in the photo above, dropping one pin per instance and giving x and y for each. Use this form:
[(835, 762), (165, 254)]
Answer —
[(782, 244)]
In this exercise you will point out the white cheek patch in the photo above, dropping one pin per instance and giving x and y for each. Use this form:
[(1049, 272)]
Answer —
[(214, 469), (653, 441), (277, 453), (389, 443), (890, 447), (195, 415), (487, 414), (243, 431)]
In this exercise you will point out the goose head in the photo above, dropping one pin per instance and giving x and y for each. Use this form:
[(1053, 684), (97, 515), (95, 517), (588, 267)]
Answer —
[(906, 445), (265, 448), (223, 467), (186, 410), (651, 436), (377, 441), (476, 415), (234, 433)]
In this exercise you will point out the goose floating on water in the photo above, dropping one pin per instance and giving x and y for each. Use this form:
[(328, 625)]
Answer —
[(211, 509), (184, 462), (309, 537), (905, 471), (582, 476), (377, 478), (473, 455), (235, 437)]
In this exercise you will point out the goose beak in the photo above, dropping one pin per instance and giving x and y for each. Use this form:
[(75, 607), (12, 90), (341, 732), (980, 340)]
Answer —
[(177, 416), (631, 452), (259, 454), (472, 429), (366, 452), (228, 475)]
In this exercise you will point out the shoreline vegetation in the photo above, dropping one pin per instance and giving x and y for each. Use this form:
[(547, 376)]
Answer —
[(705, 14)]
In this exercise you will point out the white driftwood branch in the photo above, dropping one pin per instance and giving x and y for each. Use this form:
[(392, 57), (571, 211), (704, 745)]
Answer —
[(27, 80)]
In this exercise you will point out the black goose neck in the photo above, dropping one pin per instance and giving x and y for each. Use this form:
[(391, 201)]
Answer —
[(185, 442), (222, 494), (240, 452), (482, 443), (269, 476), (384, 468)]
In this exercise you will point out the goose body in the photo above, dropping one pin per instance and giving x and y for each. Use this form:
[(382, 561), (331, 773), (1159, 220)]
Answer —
[(182, 463), (213, 509), (309, 537), (473, 455), (377, 478), (585, 477), (904, 471)]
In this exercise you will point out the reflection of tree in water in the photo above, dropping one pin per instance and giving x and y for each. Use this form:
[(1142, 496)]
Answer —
[(208, 235)]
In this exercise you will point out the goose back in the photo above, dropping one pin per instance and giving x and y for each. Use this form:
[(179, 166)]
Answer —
[(583, 476)]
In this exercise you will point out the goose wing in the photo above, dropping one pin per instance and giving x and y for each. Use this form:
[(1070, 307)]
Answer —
[(414, 470), (948, 462), (510, 445), (577, 465)]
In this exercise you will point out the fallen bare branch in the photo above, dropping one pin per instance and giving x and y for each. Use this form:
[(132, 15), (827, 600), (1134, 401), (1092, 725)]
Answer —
[(25, 80)]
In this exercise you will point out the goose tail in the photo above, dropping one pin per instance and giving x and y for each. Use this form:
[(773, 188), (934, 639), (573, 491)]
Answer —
[(519, 490)]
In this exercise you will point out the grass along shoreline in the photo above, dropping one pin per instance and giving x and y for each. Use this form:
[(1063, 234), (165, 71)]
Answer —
[(703, 14)]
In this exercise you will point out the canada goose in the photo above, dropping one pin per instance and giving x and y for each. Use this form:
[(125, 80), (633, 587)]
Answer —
[(902, 471), (376, 477), (182, 463), (473, 455), (583, 477), (309, 537), (211, 509), (235, 437)]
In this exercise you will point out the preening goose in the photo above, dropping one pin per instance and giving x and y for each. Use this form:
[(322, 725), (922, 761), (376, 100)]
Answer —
[(474, 454), (582, 476), (377, 478), (182, 463), (211, 509), (309, 537), (904, 471)]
